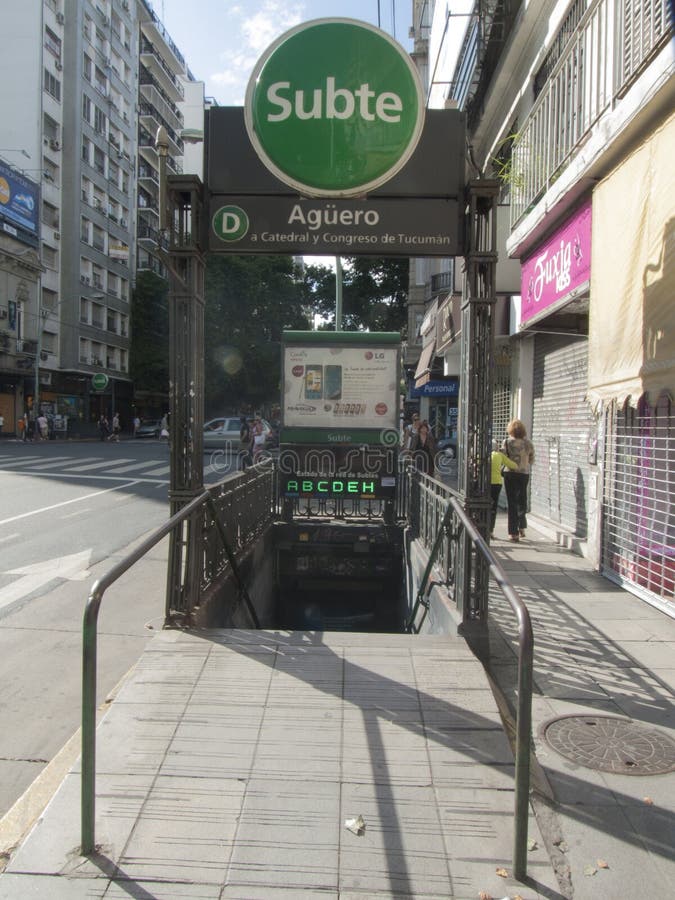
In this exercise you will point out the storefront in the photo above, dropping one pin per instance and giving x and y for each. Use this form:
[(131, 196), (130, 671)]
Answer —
[(632, 367), (555, 294)]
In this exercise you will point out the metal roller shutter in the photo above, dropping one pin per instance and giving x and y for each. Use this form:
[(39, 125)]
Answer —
[(638, 547), (562, 425)]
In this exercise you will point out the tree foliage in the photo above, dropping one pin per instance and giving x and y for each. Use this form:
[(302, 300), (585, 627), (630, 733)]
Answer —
[(149, 354), (249, 302), (374, 294)]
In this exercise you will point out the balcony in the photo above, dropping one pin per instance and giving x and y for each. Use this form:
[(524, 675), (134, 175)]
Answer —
[(597, 65), (442, 282), (154, 63)]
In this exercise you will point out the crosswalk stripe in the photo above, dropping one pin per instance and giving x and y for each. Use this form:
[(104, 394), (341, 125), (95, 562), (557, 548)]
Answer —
[(164, 470), (135, 467), (30, 460), (66, 461), (97, 465)]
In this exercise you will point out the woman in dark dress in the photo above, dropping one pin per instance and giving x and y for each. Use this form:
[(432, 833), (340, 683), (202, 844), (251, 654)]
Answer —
[(423, 449)]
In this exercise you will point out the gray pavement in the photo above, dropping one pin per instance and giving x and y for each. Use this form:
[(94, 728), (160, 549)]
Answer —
[(230, 761)]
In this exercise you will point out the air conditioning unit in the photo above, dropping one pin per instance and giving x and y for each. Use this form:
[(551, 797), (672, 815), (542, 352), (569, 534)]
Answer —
[(57, 235), (58, 65), (3, 313), (60, 18), (47, 175), (85, 279), (54, 144)]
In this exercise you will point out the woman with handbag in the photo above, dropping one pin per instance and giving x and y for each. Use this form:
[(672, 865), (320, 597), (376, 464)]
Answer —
[(519, 448)]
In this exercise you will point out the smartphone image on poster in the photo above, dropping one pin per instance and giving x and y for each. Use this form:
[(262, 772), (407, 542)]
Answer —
[(314, 383), (333, 383)]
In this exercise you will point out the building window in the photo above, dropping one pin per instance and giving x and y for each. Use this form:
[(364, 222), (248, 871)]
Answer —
[(85, 150), (100, 121), (50, 257), (85, 227), (48, 342), (52, 43), (87, 68), (99, 160), (50, 215), (85, 351), (50, 170), (85, 308), (97, 315), (52, 85), (86, 108), (50, 129), (49, 299), (99, 239)]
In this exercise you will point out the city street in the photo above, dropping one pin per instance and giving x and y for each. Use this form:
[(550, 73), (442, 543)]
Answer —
[(68, 510)]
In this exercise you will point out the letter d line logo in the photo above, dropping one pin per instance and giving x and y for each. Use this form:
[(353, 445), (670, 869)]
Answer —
[(230, 223)]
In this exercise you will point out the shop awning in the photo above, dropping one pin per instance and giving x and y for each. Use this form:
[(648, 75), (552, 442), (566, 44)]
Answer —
[(423, 370), (632, 313)]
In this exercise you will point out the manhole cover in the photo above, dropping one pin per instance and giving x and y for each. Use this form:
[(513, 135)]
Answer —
[(610, 744)]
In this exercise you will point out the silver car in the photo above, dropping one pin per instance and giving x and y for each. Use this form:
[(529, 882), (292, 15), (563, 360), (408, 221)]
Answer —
[(224, 432)]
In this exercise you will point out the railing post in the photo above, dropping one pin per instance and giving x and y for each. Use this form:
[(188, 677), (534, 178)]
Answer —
[(88, 782)]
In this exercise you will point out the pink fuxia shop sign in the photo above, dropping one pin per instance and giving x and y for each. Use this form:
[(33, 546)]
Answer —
[(334, 153), (560, 268)]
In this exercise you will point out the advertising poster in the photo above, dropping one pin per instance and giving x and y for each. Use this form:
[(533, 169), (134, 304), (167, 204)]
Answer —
[(18, 199), (341, 394)]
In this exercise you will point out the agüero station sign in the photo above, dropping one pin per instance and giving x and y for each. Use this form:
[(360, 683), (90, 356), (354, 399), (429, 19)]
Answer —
[(334, 108)]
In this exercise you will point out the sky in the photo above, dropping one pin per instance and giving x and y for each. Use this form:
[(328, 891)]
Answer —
[(222, 40)]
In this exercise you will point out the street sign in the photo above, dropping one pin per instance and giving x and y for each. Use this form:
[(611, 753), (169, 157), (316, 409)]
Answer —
[(99, 381), (334, 108), (378, 226)]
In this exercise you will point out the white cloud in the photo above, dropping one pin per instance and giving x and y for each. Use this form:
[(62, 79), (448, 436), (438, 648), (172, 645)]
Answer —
[(251, 37)]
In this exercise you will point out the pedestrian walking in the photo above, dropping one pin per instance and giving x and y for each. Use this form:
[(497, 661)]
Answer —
[(137, 424), (115, 434), (410, 432), (43, 427), (519, 448), (2, 424), (258, 439), (499, 461), (103, 427), (423, 449), (245, 440), (30, 426), (164, 428)]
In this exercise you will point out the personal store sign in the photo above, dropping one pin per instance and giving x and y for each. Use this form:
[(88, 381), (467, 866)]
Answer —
[(334, 108)]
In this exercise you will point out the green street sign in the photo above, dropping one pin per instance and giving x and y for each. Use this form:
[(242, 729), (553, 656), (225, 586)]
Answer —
[(99, 381), (334, 108)]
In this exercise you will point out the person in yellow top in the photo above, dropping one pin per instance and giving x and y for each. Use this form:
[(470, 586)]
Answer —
[(497, 461)]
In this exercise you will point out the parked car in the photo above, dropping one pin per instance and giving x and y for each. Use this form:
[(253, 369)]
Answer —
[(149, 428), (224, 431)]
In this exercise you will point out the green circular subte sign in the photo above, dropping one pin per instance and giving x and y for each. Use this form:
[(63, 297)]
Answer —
[(334, 108), (99, 381)]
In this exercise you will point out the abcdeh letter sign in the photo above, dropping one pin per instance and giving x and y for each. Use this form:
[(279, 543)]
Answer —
[(334, 108)]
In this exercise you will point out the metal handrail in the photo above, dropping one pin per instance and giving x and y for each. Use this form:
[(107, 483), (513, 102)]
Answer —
[(525, 662), (89, 653)]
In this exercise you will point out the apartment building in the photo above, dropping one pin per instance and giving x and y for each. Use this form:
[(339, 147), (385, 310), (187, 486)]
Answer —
[(91, 82), (569, 105)]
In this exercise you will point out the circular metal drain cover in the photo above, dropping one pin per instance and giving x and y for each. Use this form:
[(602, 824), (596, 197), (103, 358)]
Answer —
[(609, 744)]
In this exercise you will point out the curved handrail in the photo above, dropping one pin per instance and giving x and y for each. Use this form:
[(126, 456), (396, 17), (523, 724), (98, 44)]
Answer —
[(525, 658)]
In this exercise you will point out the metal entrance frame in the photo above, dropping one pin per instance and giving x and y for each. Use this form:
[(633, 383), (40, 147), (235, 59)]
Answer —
[(475, 394)]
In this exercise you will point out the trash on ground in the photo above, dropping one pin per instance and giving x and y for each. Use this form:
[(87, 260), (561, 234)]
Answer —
[(356, 825)]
